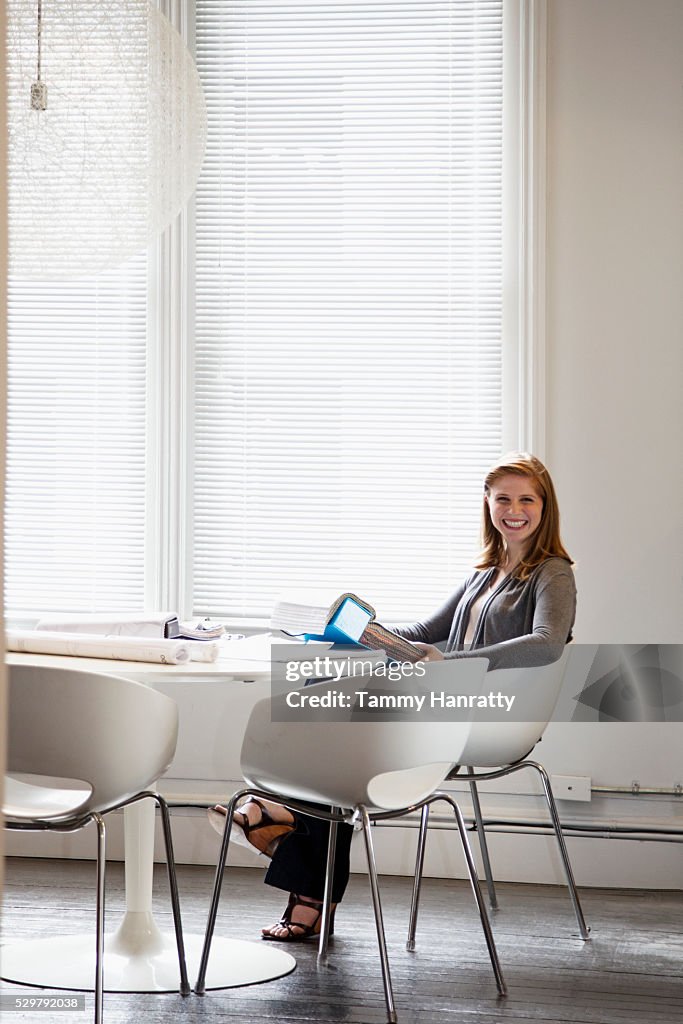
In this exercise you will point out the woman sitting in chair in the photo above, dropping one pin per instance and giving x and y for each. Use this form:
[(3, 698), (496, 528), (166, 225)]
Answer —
[(516, 608)]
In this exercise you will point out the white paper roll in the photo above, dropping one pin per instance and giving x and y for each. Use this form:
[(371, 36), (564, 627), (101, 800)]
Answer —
[(202, 650), (165, 652)]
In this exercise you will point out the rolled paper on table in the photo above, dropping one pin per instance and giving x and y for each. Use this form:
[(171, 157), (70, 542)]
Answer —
[(203, 650), (164, 652)]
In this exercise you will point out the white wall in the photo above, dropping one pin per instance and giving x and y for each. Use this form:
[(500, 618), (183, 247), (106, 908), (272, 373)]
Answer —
[(615, 359), (615, 311)]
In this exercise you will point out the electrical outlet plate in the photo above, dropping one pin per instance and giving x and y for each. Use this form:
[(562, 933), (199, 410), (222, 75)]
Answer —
[(571, 787)]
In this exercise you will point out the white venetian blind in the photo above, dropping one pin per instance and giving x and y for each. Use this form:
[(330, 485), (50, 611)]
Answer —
[(348, 298), (76, 444)]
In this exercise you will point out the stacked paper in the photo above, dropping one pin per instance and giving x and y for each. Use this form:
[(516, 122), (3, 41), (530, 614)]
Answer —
[(149, 636), (151, 624)]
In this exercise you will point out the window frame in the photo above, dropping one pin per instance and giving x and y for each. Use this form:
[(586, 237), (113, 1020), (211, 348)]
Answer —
[(170, 312), (169, 532), (524, 225)]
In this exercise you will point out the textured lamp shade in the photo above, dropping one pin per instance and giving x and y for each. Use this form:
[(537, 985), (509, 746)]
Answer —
[(118, 148)]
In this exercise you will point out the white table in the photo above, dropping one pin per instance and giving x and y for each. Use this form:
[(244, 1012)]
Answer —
[(138, 956)]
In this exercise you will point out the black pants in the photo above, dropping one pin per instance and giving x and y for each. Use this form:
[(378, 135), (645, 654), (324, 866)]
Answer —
[(300, 860)]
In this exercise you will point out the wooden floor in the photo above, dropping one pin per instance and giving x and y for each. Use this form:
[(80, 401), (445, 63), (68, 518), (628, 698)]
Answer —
[(629, 973)]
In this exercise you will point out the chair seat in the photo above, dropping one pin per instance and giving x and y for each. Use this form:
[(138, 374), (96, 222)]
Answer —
[(81, 744), (43, 798), (371, 766)]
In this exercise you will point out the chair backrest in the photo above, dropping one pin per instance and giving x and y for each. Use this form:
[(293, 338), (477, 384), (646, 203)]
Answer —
[(116, 735), (536, 690), (388, 762)]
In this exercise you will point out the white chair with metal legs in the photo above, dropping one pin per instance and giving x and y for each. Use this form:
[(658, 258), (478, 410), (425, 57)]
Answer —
[(363, 771), (503, 747), (82, 744)]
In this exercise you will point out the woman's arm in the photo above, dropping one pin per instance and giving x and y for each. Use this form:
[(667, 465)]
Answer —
[(436, 627), (554, 612)]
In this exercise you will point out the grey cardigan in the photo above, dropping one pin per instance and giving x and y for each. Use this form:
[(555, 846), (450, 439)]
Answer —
[(523, 622)]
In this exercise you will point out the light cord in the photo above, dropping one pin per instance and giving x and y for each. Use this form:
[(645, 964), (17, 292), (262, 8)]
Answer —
[(40, 31), (38, 88)]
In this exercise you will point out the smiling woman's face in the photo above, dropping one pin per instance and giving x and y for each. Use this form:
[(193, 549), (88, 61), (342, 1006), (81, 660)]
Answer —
[(516, 509)]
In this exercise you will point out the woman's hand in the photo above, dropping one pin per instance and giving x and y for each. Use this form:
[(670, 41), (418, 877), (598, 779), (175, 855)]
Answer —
[(429, 652)]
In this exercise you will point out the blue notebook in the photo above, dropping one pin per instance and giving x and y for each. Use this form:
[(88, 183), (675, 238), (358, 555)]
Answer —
[(347, 622)]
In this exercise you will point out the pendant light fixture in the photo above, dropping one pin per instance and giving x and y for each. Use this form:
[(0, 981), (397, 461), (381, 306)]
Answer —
[(107, 130)]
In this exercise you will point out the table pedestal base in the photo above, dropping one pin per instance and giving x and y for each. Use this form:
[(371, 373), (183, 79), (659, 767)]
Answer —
[(68, 962)]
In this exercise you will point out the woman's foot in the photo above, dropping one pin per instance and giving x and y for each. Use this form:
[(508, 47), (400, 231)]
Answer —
[(260, 824), (301, 920)]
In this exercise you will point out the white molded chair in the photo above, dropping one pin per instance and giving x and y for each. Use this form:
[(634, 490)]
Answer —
[(364, 771), (504, 747), (82, 744)]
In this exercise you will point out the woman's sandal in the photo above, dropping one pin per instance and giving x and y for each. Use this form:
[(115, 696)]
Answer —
[(262, 837), (304, 931)]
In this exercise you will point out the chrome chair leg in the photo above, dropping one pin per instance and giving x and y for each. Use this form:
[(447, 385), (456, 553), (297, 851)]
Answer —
[(379, 923), (200, 984), (476, 889), (557, 825), (99, 939), (327, 895), (483, 845), (417, 877), (173, 886)]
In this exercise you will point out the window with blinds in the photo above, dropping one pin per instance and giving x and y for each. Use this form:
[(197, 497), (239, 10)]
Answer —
[(348, 295), (75, 515)]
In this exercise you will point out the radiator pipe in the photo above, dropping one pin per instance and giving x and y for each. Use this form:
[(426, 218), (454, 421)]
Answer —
[(635, 789)]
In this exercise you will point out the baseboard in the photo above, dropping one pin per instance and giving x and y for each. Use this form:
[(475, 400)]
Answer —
[(520, 858)]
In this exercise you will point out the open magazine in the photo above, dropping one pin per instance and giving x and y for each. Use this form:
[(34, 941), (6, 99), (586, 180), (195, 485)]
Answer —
[(347, 619)]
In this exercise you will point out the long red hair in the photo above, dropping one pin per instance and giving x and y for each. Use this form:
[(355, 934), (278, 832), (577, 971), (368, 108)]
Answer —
[(546, 542)]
